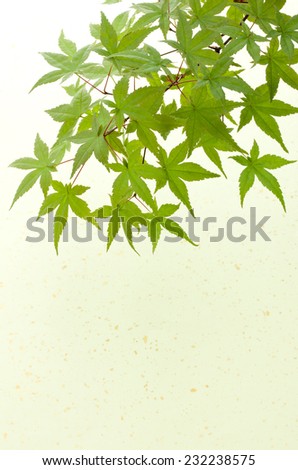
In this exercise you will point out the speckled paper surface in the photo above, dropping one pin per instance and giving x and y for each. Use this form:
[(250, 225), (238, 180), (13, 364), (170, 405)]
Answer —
[(190, 348)]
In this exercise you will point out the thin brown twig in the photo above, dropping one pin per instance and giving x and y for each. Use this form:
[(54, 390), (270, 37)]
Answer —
[(144, 155), (92, 86), (65, 161), (115, 128), (183, 94), (78, 174), (252, 24), (243, 21), (113, 152), (187, 81), (106, 129), (216, 49), (176, 83), (141, 202), (173, 24), (169, 52), (179, 70), (107, 80)]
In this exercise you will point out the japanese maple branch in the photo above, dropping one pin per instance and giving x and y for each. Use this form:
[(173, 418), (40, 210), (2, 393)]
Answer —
[(113, 151), (169, 52), (107, 80), (92, 86), (65, 161), (134, 196), (230, 38), (78, 174), (108, 132), (141, 202), (144, 155)]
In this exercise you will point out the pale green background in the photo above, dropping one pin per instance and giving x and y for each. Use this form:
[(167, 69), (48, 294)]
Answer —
[(190, 348)]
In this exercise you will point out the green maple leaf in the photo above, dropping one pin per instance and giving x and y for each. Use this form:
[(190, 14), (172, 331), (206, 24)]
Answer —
[(203, 116), (64, 197), (286, 30), (121, 22), (174, 171), (160, 218), (258, 167), (72, 61), (126, 215), (258, 105), (130, 172), (178, 171), (194, 48), (42, 167), (69, 114), (67, 47), (211, 145), (118, 24), (219, 76), (133, 39), (108, 35), (79, 105), (148, 99), (278, 68), (155, 12), (244, 38), (141, 106), (139, 62), (93, 141), (205, 14), (213, 155), (143, 103), (156, 220), (261, 12)]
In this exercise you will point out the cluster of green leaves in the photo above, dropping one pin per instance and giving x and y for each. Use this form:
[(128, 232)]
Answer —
[(125, 102)]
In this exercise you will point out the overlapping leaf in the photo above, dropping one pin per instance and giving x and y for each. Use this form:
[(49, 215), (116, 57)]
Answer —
[(92, 141)]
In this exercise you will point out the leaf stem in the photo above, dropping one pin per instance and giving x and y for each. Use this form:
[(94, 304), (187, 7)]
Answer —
[(78, 174), (141, 202), (113, 152), (107, 80), (187, 81), (174, 26), (106, 129), (169, 52), (65, 161), (89, 83), (115, 128), (243, 20), (179, 70), (92, 86), (144, 155), (183, 94)]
